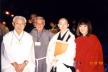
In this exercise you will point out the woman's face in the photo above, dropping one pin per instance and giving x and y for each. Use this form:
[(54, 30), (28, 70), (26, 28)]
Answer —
[(83, 28)]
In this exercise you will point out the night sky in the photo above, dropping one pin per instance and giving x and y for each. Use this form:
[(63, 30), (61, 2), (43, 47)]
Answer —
[(52, 10)]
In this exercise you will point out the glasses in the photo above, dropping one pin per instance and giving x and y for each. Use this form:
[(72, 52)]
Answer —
[(61, 24)]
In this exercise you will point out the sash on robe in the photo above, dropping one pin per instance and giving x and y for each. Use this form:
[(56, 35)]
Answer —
[(60, 47), (61, 44)]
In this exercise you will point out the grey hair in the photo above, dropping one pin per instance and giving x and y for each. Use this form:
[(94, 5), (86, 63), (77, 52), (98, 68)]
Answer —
[(40, 18), (19, 17)]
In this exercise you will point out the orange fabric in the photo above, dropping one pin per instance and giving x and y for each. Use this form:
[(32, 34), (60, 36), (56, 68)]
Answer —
[(60, 48), (89, 57)]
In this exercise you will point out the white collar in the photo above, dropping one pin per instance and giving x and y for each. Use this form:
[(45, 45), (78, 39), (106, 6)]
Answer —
[(16, 34), (64, 32)]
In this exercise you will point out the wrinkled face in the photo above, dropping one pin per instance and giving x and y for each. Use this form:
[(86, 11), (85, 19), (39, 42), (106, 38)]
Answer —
[(39, 24), (63, 24), (19, 25), (83, 28)]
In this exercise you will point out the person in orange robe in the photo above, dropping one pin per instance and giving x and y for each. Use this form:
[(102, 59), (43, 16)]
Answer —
[(89, 56)]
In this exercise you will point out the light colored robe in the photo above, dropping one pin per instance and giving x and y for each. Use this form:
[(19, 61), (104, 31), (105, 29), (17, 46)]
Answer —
[(65, 58), (17, 49)]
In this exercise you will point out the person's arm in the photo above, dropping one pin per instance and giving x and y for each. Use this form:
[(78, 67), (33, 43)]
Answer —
[(50, 35), (20, 67), (49, 55), (31, 60), (99, 55)]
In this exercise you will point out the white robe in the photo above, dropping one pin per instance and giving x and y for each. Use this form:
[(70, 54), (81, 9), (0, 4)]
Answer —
[(17, 49), (65, 58)]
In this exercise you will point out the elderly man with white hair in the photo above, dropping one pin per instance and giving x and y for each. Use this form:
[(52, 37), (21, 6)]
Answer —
[(17, 50), (41, 38)]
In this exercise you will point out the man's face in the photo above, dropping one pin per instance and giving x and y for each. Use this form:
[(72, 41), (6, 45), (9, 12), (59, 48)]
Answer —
[(19, 25), (63, 24), (39, 24)]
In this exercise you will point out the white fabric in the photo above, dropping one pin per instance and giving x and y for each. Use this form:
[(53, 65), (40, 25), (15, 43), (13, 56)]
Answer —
[(18, 48), (66, 58)]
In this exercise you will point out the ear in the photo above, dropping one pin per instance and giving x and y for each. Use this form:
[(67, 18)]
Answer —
[(13, 24), (44, 24), (58, 25), (68, 25)]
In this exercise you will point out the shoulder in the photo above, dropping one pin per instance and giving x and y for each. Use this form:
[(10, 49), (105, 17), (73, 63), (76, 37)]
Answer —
[(33, 30), (49, 33), (27, 35), (8, 34), (79, 38), (46, 31), (92, 36), (55, 36), (71, 34)]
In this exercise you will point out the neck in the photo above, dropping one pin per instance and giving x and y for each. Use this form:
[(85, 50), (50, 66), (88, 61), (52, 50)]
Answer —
[(40, 30), (84, 34), (62, 31), (18, 32)]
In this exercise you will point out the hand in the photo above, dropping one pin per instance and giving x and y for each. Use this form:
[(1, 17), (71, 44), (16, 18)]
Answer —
[(21, 67), (15, 65), (77, 70), (54, 61)]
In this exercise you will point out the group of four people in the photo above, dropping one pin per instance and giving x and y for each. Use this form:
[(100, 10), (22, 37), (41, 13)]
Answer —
[(43, 51)]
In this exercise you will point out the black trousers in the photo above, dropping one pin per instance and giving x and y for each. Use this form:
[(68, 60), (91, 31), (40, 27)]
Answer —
[(55, 68)]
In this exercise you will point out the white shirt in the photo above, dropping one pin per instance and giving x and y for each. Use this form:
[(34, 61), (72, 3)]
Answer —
[(18, 48)]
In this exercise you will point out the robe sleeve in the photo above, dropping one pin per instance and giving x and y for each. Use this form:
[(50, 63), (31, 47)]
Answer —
[(6, 50), (50, 35), (99, 55), (31, 59), (77, 62), (50, 54)]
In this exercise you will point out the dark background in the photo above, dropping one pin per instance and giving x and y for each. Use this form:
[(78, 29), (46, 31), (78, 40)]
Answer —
[(52, 10)]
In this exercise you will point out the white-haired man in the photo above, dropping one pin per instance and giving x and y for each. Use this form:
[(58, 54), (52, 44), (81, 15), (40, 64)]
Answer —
[(41, 38), (17, 51)]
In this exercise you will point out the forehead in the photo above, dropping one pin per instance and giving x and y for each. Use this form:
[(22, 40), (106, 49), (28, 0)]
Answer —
[(18, 20), (33, 15), (39, 19), (39, 22), (63, 21), (83, 24)]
